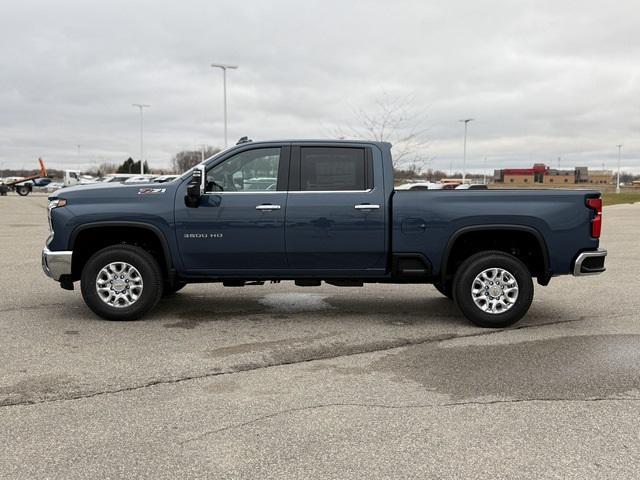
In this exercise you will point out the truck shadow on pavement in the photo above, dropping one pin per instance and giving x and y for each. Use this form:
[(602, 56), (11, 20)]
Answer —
[(186, 310), (193, 310), (189, 310)]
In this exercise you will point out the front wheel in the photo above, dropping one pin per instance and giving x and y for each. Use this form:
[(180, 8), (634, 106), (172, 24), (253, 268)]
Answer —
[(121, 282), (493, 289)]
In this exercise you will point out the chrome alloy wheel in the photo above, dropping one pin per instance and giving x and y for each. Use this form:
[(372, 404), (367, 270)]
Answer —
[(119, 284), (494, 290)]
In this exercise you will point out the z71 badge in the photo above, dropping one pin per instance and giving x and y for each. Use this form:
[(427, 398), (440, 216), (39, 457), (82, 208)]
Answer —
[(151, 191)]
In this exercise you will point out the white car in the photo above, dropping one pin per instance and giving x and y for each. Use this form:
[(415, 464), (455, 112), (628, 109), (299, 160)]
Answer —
[(420, 186), (165, 178), (122, 177), (140, 179), (472, 186), (52, 187)]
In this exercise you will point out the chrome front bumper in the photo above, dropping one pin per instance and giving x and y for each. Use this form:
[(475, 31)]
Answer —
[(56, 264), (590, 263)]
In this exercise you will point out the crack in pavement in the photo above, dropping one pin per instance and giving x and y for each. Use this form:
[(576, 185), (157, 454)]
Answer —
[(403, 407), (33, 307), (373, 348)]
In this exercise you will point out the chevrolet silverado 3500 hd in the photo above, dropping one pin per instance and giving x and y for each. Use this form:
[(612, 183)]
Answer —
[(313, 211)]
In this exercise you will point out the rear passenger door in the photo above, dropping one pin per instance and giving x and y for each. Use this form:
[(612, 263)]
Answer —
[(335, 215)]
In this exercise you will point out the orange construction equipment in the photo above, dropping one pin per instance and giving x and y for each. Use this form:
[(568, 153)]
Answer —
[(26, 189)]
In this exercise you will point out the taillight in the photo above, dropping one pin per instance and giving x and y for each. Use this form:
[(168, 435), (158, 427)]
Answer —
[(596, 223)]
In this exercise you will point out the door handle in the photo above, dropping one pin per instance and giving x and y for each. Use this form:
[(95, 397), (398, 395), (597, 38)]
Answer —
[(366, 206), (267, 207)]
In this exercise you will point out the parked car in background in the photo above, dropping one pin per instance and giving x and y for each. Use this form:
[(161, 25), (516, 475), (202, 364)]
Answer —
[(472, 186), (420, 186), (165, 178), (260, 183), (76, 177), (140, 179), (52, 187), (117, 177)]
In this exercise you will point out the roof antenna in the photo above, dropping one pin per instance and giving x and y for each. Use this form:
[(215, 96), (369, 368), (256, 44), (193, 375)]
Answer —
[(244, 140)]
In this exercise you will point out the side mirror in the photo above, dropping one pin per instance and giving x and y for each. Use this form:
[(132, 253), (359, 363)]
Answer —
[(195, 188)]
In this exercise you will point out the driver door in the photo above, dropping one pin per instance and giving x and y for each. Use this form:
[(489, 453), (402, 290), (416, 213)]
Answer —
[(239, 223)]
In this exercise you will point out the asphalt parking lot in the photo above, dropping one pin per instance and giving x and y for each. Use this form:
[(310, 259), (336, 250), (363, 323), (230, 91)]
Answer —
[(287, 382)]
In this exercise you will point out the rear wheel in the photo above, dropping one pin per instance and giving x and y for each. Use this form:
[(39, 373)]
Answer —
[(22, 190), (493, 289), (121, 282)]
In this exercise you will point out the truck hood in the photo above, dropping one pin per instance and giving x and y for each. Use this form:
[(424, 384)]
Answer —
[(113, 190)]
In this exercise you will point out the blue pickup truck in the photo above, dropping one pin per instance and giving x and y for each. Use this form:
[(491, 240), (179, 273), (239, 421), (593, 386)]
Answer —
[(314, 211)]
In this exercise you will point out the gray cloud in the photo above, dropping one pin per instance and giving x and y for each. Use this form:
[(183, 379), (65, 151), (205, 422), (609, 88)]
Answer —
[(543, 79)]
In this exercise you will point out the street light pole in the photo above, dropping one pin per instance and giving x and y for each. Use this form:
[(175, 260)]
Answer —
[(202, 146), (484, 170), (618, 180), (224, 68), (464, 158), (141, 106)]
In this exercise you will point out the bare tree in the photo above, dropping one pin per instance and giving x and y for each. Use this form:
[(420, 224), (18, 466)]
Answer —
[(101, 169), (183, 161), (107, 167), (394, 120)]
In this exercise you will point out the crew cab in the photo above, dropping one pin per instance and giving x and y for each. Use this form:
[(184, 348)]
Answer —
[(312, 212)]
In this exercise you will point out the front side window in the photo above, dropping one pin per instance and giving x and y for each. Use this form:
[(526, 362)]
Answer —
[(248, 171), (332, 169)]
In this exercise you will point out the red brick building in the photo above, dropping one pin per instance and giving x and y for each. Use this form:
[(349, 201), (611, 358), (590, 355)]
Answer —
[(545, 175)]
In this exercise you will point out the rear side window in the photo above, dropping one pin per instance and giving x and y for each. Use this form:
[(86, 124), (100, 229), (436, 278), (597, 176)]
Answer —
[(334, 169)]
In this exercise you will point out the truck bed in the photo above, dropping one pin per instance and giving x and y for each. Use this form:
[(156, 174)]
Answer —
[(427, 221)]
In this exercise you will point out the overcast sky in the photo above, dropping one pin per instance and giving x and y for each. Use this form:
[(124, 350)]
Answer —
[(543, 79)]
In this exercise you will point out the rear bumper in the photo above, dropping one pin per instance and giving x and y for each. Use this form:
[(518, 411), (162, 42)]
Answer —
[(590, 263), (56, 264)]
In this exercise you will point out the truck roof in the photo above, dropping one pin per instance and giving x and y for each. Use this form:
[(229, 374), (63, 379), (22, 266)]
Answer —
[(383, 145)]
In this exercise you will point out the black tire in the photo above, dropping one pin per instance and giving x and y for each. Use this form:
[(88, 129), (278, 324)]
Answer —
[(445, 289), (22, 190), (475, 265), (148, 269), (171, 288)]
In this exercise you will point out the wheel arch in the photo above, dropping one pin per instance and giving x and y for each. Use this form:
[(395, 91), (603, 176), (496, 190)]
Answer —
[(543, 276), (132, 228)]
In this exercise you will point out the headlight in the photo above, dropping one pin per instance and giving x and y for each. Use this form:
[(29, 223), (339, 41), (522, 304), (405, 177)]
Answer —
[(57, 202)]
